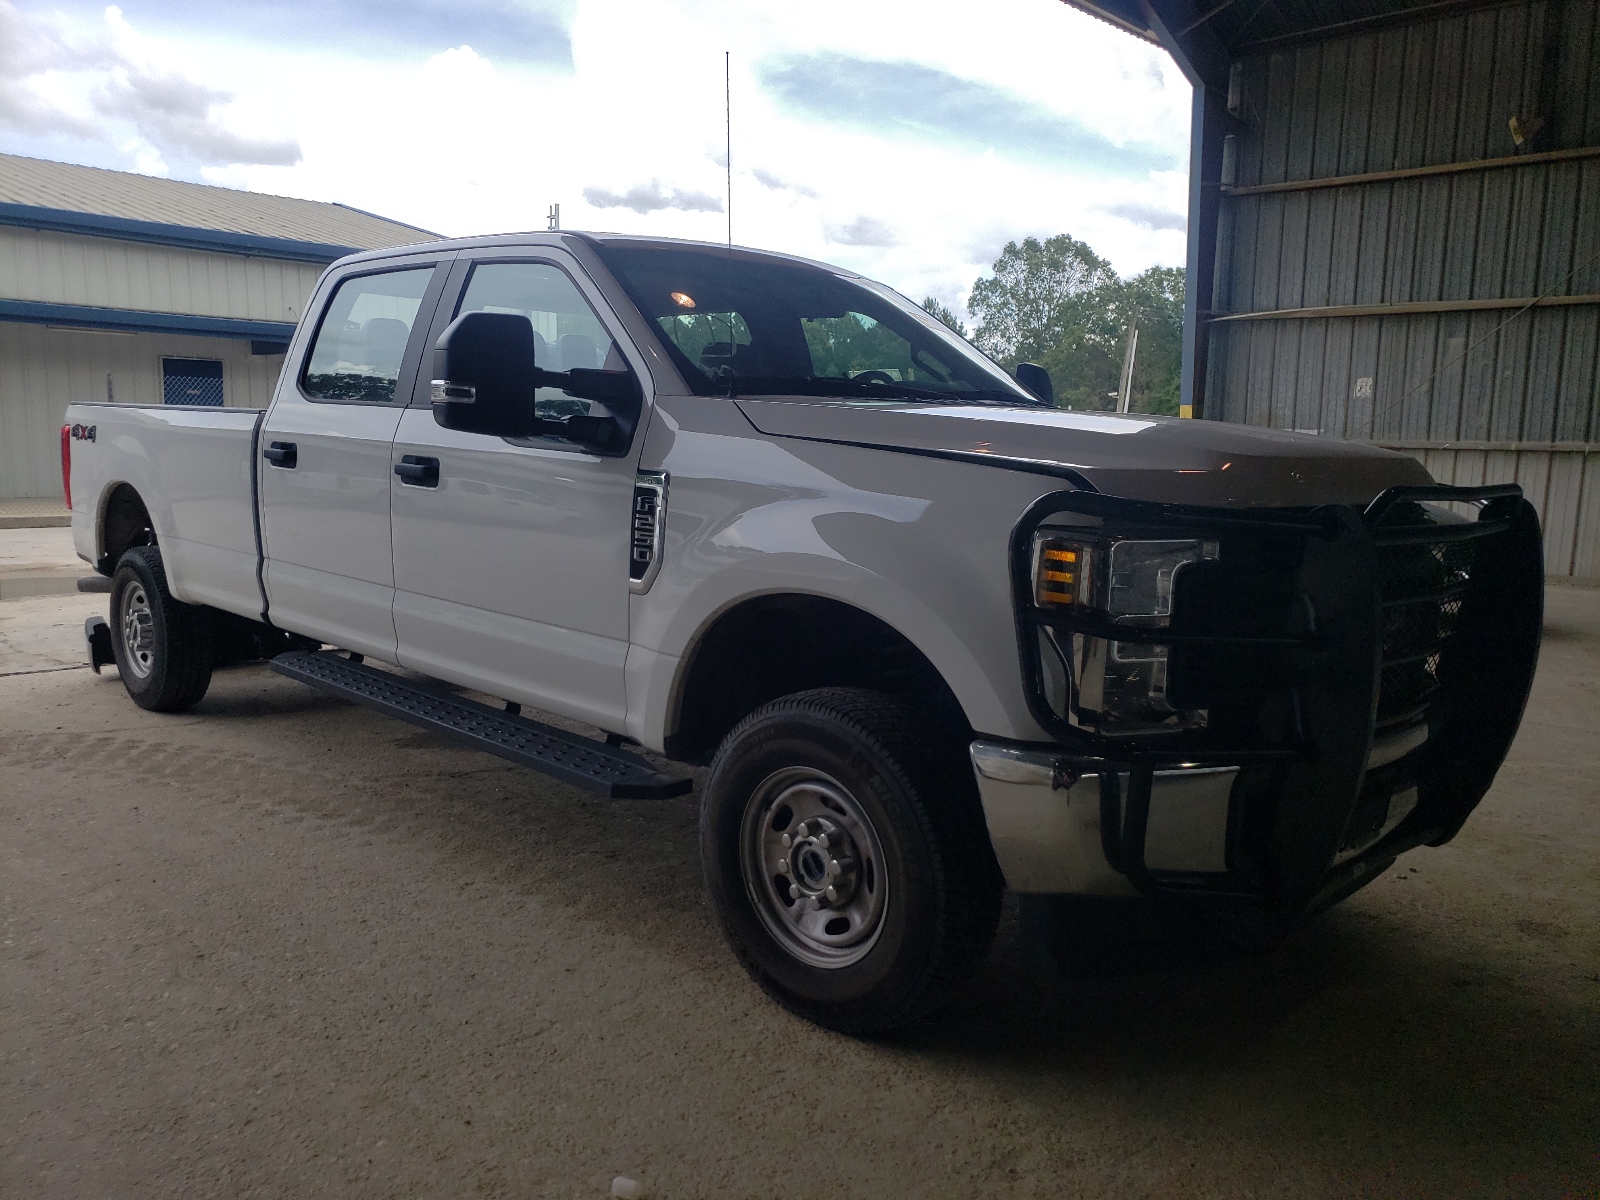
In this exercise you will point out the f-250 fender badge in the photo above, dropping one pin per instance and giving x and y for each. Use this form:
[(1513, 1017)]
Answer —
[(83, 433), (649, 524)]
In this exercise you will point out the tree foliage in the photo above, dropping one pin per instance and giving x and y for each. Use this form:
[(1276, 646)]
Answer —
[(1061, 305), (943, 315), (841, 346)]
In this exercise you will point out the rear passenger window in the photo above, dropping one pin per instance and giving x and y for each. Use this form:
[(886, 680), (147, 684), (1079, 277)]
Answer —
[(363, 336)]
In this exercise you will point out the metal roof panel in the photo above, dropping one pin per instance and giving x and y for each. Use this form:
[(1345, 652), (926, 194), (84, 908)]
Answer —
[(39, 183)]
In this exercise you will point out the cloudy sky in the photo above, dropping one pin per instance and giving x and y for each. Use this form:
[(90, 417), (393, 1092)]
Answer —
[(907, 139)]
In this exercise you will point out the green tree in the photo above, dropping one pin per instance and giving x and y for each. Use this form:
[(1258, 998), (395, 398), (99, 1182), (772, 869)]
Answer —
[(1061, 305), (1157, 296), (841, 346), (944, 316), (1037, 295)]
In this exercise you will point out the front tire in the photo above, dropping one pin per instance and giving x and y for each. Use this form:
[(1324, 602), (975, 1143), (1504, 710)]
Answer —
[(847, 859), (163, 646)]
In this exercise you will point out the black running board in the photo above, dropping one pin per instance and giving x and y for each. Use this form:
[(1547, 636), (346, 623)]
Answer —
[(567, 756)]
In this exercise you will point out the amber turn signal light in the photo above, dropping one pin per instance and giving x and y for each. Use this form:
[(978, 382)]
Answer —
[(1060, 572)]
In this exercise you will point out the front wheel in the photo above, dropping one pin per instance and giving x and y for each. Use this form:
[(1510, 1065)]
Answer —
[(847, 859), (163, 646)]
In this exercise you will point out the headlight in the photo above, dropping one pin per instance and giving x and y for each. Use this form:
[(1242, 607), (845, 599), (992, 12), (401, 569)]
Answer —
[(1110, 686)]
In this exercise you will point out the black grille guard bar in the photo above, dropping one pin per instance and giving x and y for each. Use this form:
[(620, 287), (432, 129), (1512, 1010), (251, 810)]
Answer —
[(1327, 676)]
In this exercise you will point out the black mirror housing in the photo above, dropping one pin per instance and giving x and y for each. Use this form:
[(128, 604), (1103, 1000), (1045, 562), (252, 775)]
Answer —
[(485, 377), (1037, 380)]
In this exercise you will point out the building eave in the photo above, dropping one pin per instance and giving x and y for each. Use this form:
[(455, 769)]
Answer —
[(185, 237), (126, 320)]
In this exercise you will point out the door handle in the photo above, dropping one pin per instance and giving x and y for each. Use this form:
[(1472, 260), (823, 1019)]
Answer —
[(418, 471), (282, 454)]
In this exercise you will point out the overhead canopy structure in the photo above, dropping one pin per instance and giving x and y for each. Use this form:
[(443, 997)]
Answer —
[(1394, 232)]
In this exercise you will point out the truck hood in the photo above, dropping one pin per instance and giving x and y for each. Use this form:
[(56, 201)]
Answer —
[(1139, 457)]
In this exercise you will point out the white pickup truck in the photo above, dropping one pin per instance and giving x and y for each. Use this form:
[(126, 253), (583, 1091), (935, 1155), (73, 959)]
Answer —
[(934, 635)]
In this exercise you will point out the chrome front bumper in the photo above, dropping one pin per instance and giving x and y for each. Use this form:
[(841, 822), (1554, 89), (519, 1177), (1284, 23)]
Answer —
[(1044, 822)]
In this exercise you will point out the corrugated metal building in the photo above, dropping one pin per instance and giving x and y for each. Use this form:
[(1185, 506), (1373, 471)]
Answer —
[(1394, 232), (134, 289)]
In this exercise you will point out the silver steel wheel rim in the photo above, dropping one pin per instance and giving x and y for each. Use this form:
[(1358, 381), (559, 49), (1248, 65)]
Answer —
[(138, 630), (813, 867)]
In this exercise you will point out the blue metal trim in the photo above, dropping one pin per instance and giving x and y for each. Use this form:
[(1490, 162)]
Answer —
[(82, 316), (187, 237)]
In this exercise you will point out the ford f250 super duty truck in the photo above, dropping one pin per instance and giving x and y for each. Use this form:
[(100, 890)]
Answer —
[(933, 635)]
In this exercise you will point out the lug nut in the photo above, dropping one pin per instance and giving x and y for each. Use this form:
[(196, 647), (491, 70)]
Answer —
[(794, 892), (783, 866), (787, 841), (823, 841), (832, 894), (833, 866)]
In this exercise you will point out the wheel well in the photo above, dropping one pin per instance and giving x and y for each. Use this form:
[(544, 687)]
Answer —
[(775, 645), (124, 524)]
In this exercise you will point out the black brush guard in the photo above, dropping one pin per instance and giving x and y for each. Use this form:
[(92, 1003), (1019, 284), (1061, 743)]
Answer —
[(1315, 633)]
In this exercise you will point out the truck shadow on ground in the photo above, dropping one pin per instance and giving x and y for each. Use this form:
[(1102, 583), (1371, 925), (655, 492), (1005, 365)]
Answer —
[(1359, 1029), (1368, 1026)]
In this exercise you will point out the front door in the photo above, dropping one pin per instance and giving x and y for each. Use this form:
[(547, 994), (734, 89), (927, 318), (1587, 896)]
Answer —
[(326, 457), (511, 562)]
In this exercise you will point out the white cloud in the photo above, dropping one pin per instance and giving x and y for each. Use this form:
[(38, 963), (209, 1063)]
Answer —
[(96, 82), (174, 113), (630, 138), (1151, 216), (775, 182), (651, 197), (864, 231)]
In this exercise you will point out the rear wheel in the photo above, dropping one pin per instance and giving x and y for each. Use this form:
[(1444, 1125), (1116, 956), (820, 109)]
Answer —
[(847, 859), (163, 646)]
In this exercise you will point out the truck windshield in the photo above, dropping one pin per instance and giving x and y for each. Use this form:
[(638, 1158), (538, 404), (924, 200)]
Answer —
[(737, 323)]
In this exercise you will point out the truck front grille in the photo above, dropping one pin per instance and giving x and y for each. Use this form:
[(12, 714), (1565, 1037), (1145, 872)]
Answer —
[(1421, 585)]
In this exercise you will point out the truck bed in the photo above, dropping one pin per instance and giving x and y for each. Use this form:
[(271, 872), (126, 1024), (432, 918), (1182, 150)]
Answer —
[(193, 470)]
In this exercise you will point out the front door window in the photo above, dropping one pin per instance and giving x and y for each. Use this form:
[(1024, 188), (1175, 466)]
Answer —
[(566, 331)]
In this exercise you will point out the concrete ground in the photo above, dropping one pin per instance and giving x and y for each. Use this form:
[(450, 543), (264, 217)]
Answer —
[(39, 562), (33, 513), (285, 947)]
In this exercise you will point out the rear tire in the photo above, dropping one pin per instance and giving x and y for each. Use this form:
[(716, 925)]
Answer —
[(162, 645), (847, 859)]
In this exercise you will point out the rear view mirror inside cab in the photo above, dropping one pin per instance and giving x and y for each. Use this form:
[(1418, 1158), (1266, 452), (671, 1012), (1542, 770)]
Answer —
[(486, 379)]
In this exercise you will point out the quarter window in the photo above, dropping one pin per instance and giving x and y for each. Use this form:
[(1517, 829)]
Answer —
[(363, 336)]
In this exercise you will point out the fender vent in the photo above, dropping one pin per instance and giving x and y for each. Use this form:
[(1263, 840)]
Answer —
[(649, 524)]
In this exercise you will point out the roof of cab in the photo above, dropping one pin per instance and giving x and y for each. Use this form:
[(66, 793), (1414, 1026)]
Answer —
[(565, 237)]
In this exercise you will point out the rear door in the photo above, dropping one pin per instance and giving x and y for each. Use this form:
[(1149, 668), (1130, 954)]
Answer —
[(511, 562), (326, 450)]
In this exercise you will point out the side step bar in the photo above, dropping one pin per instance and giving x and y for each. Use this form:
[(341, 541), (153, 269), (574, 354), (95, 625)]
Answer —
[(583, 761)]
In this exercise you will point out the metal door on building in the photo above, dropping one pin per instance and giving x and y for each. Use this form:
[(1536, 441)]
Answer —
[(192, 381)]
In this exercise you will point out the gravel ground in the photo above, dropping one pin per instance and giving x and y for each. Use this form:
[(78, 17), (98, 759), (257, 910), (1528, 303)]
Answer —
[(283, 947)]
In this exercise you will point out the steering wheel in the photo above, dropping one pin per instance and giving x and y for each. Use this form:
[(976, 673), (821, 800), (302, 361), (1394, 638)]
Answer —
[(873, 377)]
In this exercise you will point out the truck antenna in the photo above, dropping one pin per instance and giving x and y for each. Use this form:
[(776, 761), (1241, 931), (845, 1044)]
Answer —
[(727, 153)]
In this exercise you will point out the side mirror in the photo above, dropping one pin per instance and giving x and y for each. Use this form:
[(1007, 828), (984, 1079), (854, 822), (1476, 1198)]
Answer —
[(1037, 380), (485, 376)]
